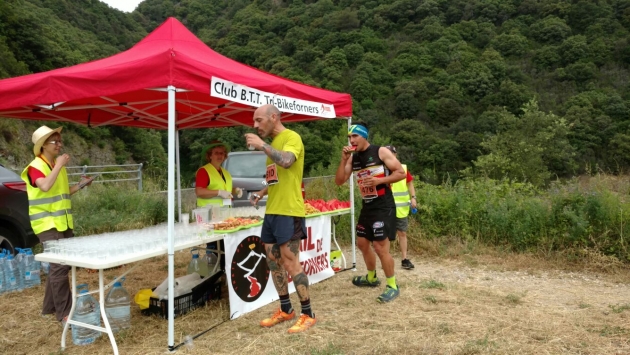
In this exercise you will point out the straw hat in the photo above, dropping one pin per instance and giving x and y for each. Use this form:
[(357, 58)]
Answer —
[(213, 144), (40, 136)]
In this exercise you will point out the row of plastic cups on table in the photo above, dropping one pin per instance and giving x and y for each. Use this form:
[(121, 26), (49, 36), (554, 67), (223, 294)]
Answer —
[(111, 246)]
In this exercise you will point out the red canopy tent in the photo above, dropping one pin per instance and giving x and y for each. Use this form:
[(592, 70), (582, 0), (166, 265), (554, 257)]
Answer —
[(128, 88), (169, 80)]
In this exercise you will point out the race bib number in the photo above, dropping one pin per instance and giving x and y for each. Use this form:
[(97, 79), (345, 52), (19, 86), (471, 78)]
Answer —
[(367, 192), (272, 174)]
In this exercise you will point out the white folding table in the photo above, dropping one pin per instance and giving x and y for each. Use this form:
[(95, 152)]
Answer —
[(101, 265)]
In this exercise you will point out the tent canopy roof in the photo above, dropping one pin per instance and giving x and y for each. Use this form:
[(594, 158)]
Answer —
[(129, 88)]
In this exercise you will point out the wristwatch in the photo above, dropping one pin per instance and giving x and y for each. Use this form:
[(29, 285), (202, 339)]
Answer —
[(413, 196)]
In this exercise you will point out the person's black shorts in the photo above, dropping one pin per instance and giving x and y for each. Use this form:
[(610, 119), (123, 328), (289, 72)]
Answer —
[(378, 224), (278, 229)]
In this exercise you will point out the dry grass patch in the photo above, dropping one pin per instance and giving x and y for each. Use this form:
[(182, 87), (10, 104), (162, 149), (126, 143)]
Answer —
[(446, 306)]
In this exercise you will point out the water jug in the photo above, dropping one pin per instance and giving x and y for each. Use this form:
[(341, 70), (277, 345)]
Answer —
[(87, 311), (197, 266), (118, 307)]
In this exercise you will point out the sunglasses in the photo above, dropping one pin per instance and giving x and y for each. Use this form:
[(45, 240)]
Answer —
[(58, 142)]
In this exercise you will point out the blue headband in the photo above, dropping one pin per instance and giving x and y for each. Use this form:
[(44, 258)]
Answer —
[(358, 129)]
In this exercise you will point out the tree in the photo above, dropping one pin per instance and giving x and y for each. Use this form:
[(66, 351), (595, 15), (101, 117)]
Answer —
[(513, 44), (551, 29), (528, 148)]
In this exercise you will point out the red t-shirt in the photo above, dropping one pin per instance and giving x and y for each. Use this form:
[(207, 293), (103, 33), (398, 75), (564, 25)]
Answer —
[(34, 174), (202, 179), (409, 177)]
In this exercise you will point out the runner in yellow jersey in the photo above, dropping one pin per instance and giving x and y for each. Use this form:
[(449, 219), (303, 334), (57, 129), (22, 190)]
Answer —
[(284, 225)]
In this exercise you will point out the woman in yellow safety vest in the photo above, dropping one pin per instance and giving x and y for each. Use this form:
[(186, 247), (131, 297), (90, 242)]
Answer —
[(50, 211), (213, 184)]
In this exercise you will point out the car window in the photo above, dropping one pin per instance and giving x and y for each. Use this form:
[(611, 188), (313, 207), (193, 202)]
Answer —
[(246, 165)]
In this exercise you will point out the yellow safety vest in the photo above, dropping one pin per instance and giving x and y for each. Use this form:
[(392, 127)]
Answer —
[(401, 196), (216, 183), (51, 209)]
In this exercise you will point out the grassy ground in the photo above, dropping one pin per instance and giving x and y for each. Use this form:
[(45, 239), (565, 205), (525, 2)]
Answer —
[(470, 300)]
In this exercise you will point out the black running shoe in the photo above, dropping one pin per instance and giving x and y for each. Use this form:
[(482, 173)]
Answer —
[(406, 264)]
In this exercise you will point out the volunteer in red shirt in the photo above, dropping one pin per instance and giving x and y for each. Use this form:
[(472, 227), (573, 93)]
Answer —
[(50, 211)]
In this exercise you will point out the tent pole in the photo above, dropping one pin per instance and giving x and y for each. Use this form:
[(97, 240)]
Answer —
[(179, 182), (171, 215), (352, 227)]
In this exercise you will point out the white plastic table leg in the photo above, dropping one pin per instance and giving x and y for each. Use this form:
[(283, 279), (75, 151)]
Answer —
[(334, 238)]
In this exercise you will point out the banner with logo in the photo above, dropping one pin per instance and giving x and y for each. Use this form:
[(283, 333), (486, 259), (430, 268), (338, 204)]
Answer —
[(252, 97), (249, 282)]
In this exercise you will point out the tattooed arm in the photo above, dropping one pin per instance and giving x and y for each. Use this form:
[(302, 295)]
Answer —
[(284, 159)]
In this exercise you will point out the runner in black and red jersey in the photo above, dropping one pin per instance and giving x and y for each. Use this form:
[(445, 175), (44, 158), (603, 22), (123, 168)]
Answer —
[(375, 169)]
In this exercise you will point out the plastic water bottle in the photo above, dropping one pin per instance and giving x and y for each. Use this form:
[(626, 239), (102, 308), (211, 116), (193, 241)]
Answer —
[(45, 267), (199, 267), (27, 263), (3, 281), (211, 259), (5, 268), (19, 257), (32, 273), (118, 308), (87, 311), (13, 277)]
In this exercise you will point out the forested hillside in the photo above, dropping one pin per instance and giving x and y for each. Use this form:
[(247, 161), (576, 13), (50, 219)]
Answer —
[(527, 89)]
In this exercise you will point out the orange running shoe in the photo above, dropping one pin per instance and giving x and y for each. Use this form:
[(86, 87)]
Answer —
[(303, 323), (276, 318)]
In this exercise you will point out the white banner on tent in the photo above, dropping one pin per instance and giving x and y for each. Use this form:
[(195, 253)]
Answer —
[(249, 282), (252, 97)]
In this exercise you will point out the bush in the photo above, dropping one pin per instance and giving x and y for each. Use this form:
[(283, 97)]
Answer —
[(102, 209), (522, 218)]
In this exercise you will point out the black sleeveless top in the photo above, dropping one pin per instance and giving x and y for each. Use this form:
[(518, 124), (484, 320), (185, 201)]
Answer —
[(368, 160)]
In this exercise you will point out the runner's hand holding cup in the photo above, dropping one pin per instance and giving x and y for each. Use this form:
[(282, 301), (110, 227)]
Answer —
[(253, 141)]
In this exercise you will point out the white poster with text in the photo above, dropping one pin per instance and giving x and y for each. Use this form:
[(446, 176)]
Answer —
[(249, 280)]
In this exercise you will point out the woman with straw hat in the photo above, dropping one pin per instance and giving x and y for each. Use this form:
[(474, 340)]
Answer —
[(50, 211), (213, 185)]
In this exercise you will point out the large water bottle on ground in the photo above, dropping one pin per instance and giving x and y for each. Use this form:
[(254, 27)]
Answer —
[(32, 269), (197, 266), (118, 307), (87, 311), (13, 274)]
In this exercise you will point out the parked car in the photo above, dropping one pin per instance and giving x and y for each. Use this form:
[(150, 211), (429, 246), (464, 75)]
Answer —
[(15, 226), (248, 171)]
